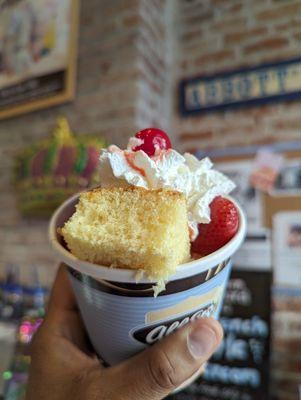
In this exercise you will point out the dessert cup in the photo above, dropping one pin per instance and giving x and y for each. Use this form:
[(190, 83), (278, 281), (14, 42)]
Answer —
[(120, 312)]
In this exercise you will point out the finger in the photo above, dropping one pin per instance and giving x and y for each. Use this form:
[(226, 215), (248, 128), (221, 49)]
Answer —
[(188, 382), (161, 369), (63, 319), (62, 296)]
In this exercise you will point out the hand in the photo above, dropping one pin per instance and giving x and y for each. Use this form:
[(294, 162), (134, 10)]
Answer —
[(63, 368)]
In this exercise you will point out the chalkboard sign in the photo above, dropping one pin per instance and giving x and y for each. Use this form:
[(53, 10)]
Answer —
[(239, 370), (256, 85)]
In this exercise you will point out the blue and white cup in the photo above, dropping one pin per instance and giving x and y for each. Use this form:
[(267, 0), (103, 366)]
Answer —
[(121, 315)]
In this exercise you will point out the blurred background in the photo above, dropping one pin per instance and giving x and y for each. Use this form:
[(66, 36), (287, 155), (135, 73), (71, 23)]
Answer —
[(223, 78)]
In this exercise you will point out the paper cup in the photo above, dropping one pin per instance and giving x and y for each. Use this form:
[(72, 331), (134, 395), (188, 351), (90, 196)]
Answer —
[(123, 317)]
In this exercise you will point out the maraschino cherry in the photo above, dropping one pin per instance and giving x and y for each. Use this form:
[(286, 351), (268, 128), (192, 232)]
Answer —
[(153, 139)]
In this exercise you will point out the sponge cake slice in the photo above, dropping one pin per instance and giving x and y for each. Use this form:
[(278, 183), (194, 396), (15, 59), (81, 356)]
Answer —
[(130, 228)]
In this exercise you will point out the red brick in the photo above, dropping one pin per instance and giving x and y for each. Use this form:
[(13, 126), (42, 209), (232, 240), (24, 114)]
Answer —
[(118, 42), (237, 37), (93, 101), (228, 6), (229, 140), (187, 5), (116, 77), (152, 53), (184, 64), (210, 147), (266, 45), (92, 31), (219, 2), (86, 20), (215, 57), (257, 113), (198, 19), (191, 150), (153, 83), (264, 140), (229, 24), (105, 66), (235, 8), (155, 87), (153, 69), (277, 56), (236, 129), (158, 4), (288, 25), (297, 36), (131, 20), (272, 13), (118, 7), (190, 35), (288, 124), (190, 136), (194, 49), (156, 28)]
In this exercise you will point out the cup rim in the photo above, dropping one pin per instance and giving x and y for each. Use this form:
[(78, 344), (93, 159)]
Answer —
[(124, 275)]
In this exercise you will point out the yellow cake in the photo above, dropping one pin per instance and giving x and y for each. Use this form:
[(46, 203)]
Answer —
[(130, 228)]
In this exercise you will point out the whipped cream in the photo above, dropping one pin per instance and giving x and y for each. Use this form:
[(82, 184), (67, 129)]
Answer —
[(166, 169)]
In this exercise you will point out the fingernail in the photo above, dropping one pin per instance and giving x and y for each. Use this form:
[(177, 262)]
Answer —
[(201, 341)]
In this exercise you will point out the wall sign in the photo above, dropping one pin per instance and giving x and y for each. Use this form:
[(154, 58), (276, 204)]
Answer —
[(249, 86), (38, 41)]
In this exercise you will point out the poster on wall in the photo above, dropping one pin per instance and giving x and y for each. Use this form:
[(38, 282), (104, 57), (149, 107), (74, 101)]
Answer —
[(248, 197), (287, 248), (289, 180), (256, 250), (38, 40)]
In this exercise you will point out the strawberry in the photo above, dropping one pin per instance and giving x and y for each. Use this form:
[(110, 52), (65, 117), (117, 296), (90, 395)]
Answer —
[(223, 226)]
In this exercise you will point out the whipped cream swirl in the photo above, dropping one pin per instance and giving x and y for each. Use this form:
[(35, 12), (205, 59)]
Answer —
[(166, 169)]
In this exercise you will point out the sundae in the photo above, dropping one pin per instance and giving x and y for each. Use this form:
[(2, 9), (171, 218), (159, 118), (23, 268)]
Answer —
[(154, 210)]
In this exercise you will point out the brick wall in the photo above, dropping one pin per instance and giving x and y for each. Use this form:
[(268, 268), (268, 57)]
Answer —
[(216, 35), (131, 56), (132, 53), (121, 62), (155, 58)]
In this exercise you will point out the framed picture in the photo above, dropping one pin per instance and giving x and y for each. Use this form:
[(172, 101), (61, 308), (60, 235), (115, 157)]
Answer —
[(287, 248), (38, 48), (250, 198)]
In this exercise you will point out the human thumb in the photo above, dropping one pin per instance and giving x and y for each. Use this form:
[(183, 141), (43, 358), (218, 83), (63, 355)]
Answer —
[(159, 370)]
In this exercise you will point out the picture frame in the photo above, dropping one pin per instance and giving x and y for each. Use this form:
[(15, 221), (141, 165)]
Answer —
[(38, 54)]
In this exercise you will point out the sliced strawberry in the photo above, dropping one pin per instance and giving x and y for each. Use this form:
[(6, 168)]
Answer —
[(222, 228)]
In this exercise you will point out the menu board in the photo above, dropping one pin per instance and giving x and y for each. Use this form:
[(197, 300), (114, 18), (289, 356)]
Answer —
[(239, 370)]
